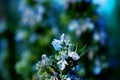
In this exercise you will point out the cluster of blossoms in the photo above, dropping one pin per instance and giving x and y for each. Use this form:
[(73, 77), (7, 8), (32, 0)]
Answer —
[(61, 66), (30, 15), (81, 25)]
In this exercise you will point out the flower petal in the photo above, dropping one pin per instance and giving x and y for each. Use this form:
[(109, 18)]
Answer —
[(70, 54), (62, 66), (62, 37), (75, 56), (56, 44)]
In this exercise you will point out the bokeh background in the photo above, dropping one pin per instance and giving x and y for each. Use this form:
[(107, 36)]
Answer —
[(27, 28)]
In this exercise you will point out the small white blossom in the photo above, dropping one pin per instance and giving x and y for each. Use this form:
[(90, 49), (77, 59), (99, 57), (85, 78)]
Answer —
[(62, 63), (62, 37), (62, 66), (74, 55), (68, 78), (43, 60)]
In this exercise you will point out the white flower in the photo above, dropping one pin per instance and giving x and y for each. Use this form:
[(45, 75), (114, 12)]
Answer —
[(74, 55), (62, 66), (43, 60), (68, 78), (62, 37), (62, 63)]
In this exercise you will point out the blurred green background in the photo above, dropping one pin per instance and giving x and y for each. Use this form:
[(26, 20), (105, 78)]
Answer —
[(27, 28)]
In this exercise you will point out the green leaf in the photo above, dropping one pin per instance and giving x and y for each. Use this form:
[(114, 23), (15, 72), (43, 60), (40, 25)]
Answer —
[(42, 71), (83, 48)]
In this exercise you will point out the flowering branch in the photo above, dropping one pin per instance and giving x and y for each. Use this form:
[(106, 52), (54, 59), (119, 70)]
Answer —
[(62, 65)]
